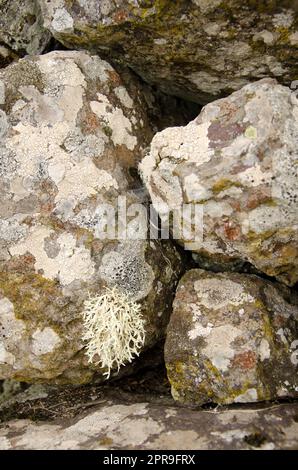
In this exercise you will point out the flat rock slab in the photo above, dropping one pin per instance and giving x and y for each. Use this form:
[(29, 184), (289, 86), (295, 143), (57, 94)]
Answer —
[(121, 425)]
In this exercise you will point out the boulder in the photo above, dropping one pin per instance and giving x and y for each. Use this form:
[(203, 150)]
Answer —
[(71, 136), (21, 28), (232, 338), (199, 50), (235, 164)]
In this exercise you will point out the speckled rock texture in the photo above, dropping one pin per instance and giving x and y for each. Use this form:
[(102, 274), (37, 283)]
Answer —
[(197, 49), (71, 136), (21, 29), (118, 425), (237, 163), (232, 338)]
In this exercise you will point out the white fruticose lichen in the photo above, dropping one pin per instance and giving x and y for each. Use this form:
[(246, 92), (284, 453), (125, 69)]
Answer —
[(114, 329)]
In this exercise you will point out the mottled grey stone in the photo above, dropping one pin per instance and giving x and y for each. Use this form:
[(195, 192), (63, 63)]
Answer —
[(236, 164), (71, 135), (114, 425), (21, 29), (232, 338), (199, 49)]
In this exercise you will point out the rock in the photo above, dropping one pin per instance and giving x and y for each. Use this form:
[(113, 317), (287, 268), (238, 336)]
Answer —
[(8, 389), (232, 338), (21, 27), (71, 136), (142, 426), (236, 164), (6, 56), (199, 50)]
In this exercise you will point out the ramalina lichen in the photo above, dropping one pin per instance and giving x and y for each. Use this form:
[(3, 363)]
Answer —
[(114, 329)]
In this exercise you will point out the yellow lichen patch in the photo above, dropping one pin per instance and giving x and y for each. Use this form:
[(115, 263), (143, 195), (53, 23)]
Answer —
[(252, 235), (267, 327), (223, 184), (212, 369), (284, 34), (105, 441), (30, 293), (251, 133)]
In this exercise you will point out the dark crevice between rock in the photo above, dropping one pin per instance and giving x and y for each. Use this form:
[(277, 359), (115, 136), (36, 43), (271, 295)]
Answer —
[(148, 385), (238, 266), (54, 45)]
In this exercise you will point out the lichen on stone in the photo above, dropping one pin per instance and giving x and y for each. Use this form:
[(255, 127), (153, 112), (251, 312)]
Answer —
[(114, 329), (225, 343)]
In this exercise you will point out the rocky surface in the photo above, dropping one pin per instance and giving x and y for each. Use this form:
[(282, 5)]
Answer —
[(71, 136), (236, 163), (120, 425), (232, 338), (21, 29), (83, 289), (137, 412), (196, 49)]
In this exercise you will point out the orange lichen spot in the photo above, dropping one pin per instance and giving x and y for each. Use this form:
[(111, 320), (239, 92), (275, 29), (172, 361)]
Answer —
[(120, 16), (114, 78), (91, 123), (245, 360), (232, 231)]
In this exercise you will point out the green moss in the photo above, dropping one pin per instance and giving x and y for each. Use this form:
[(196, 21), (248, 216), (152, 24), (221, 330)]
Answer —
[(22, 73), (25, 73), (69, 3), (202, 201), (270, 202), (88, 240)]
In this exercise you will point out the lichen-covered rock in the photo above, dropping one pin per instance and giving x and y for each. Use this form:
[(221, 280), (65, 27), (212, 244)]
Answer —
[(237, 162), (21, 27), (232, 338), (198, 49), (117, 425), (71, 135)]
